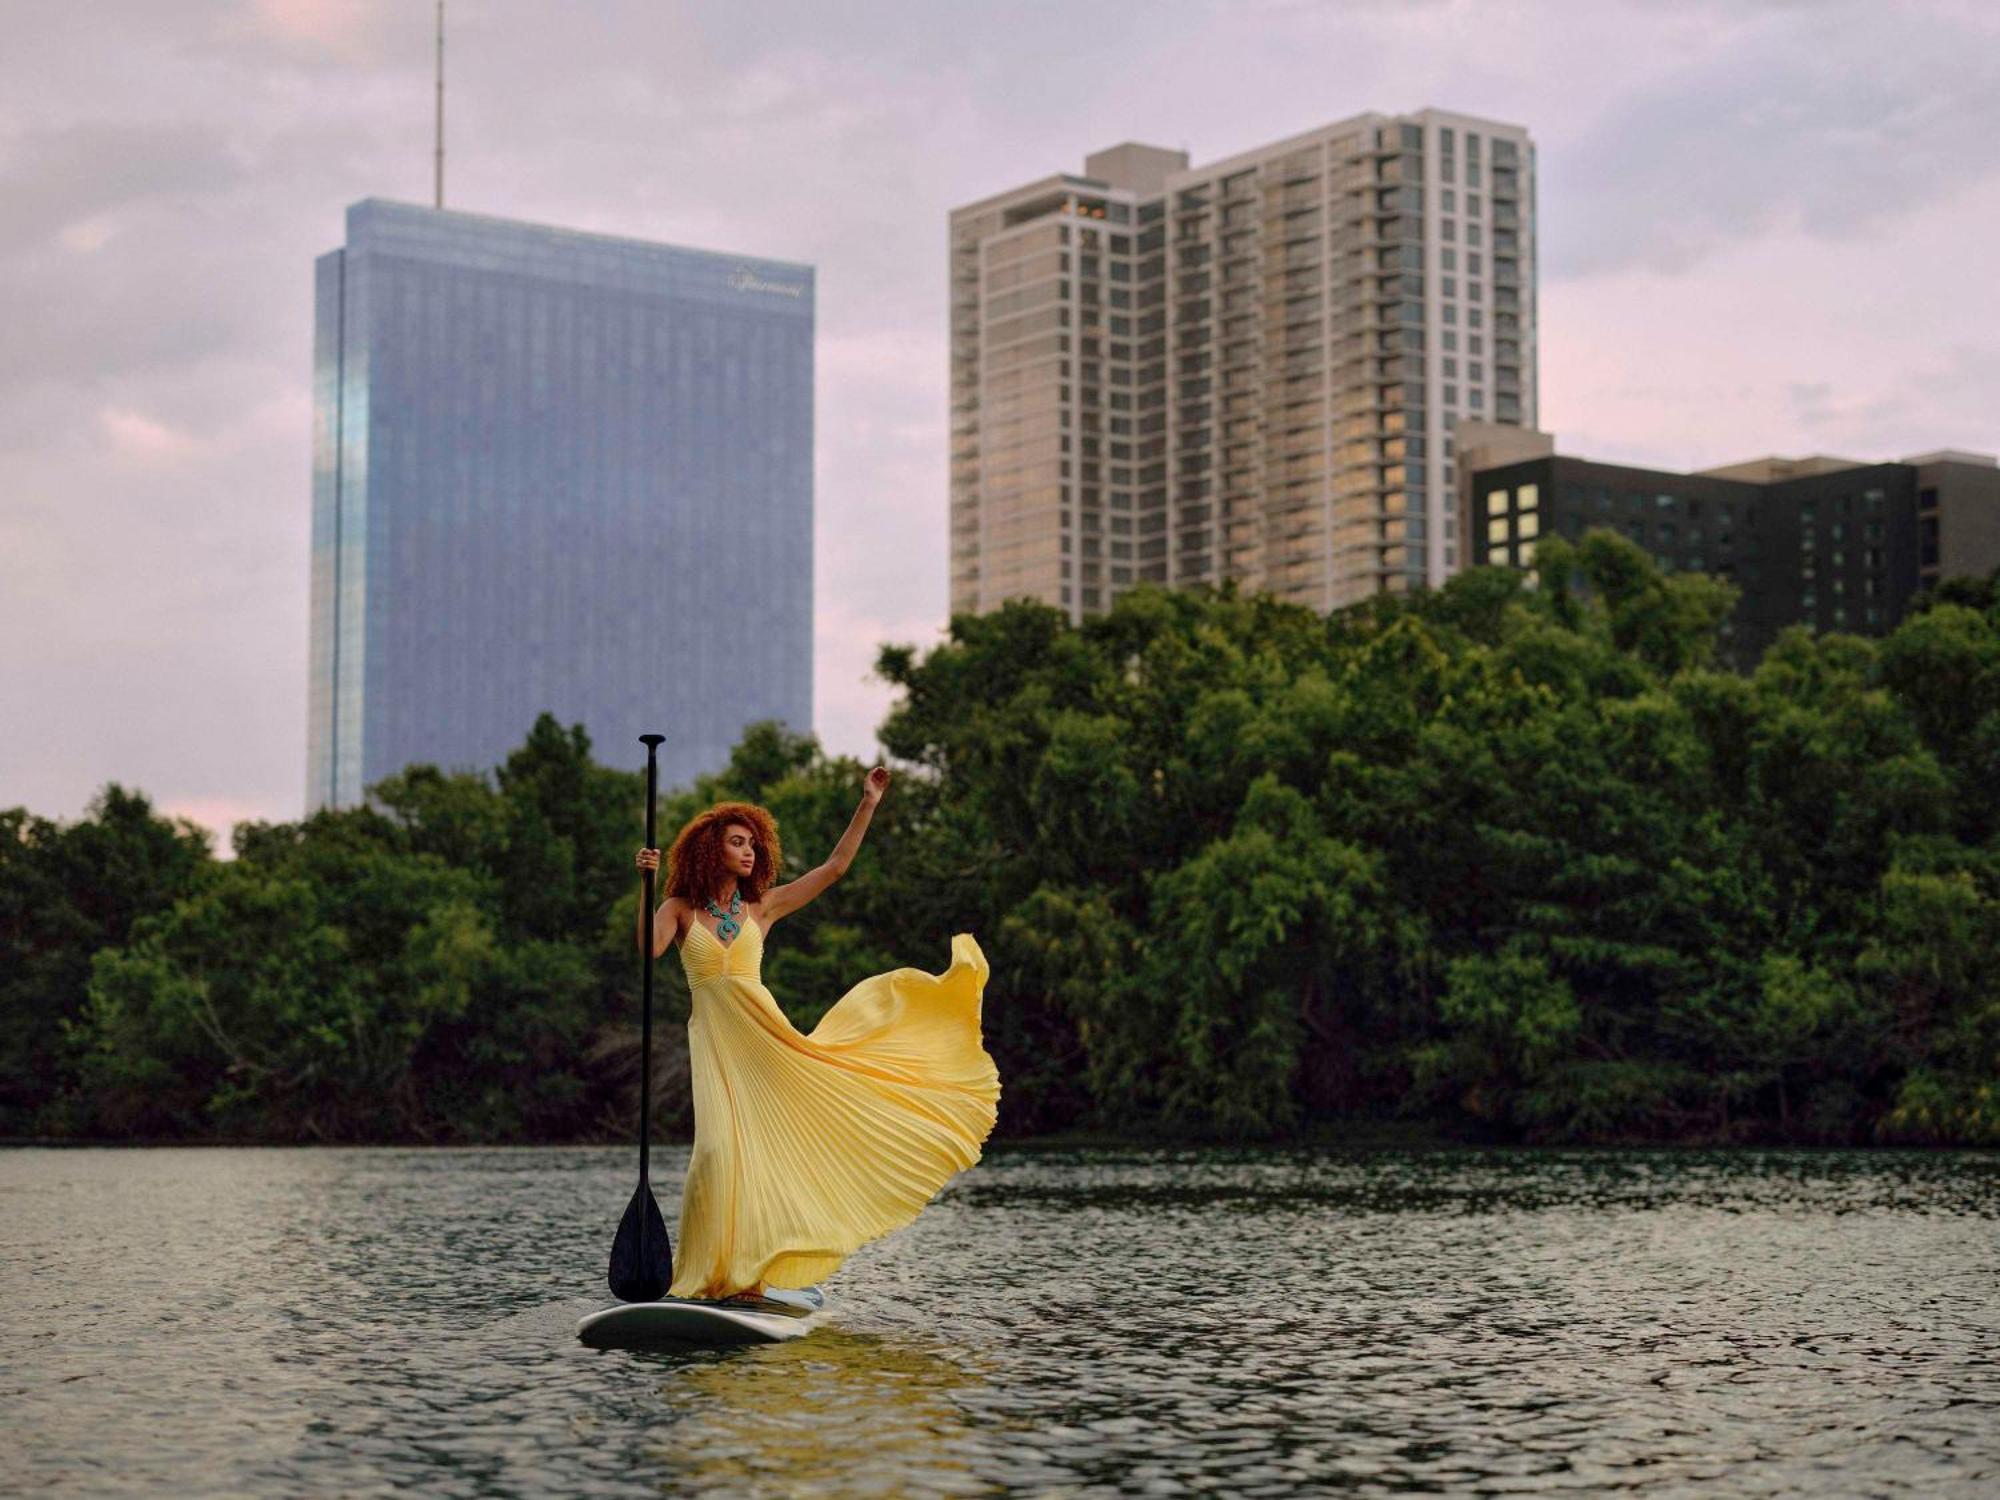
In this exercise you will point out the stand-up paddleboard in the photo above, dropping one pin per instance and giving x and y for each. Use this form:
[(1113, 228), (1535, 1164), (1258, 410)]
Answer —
[(771, 1319)]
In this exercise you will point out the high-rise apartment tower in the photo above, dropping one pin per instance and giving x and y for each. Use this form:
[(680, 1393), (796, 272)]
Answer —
[(553, 471), (1249, 370)]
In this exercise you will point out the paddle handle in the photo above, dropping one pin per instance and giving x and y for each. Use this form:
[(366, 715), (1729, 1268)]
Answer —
[(652, 744)]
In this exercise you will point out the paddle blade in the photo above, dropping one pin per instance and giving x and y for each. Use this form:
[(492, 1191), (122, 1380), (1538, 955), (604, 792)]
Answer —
[(642, 1262)]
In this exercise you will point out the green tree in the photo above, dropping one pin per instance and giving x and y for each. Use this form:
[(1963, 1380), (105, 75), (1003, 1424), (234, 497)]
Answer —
[(67, 892)]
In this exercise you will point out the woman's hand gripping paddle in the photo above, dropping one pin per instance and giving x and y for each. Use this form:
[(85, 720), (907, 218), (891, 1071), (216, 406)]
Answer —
[(642, 1261)]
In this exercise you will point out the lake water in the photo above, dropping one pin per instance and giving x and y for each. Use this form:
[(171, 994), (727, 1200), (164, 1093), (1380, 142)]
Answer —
[(1058, 1323)]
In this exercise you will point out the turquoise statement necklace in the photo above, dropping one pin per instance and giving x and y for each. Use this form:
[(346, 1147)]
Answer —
[(726, 923)]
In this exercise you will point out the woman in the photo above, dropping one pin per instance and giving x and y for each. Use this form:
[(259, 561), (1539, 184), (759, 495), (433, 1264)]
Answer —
[(805, 1147)]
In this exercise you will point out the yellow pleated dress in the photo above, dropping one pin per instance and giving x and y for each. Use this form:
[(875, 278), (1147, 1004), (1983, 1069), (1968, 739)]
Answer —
[(807, 1147)]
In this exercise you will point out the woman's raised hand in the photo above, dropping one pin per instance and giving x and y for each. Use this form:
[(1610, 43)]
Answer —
[(876, 783), (649, 859)]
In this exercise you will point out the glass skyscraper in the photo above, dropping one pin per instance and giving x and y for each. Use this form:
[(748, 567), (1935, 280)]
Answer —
[(553, 471)]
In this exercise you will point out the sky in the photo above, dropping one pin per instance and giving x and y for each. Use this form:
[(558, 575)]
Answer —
[(1767, 226)]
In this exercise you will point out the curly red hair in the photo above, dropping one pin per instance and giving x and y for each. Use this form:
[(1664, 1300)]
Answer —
[(695, 871)]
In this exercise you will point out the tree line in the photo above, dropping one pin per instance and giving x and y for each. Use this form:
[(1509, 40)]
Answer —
[(1515, 859)]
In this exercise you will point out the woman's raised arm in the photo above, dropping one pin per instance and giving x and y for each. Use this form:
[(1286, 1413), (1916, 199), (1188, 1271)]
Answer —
[(784, 899)]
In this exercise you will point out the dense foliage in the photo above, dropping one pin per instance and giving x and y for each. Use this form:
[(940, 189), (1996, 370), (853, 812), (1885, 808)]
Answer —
[(1517, 861)]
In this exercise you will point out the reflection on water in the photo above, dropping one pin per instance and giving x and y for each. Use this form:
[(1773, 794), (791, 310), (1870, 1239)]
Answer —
[(1062, 1323), (849, 1413)]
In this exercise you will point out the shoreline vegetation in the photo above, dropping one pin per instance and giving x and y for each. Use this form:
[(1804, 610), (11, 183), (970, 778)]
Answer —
[(1391, 1137), (1510, 862)]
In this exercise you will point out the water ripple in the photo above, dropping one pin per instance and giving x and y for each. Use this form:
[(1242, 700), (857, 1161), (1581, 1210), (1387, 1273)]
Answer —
[(1075, 1323)]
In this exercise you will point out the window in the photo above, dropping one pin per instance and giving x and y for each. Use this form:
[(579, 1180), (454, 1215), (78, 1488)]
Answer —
[(1450, 368), (1448, 259), (1496, 530), (1476, 399), (1450, 204), (1664, 502), (1528, 524), (1450, 339), (1496, 502), (1528, 496), (1451, 395)]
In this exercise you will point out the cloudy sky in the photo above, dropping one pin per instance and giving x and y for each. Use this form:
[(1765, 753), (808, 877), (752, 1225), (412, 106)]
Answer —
[(1766, 227)]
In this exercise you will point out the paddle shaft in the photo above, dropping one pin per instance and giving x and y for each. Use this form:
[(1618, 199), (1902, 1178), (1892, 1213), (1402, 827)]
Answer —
[(652, 743), (642, 1257)]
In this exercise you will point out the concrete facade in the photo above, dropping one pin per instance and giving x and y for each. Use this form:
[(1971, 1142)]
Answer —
[(1247, 371)]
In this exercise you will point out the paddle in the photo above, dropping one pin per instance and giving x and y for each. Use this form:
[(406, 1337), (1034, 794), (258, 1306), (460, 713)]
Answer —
[(642, 1261)]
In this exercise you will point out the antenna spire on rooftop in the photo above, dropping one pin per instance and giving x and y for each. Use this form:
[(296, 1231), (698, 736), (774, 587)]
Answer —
[(439, 182)]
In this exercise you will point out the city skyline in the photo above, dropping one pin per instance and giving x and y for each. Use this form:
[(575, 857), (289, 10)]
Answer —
[(545, 464), (1763, 227)]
